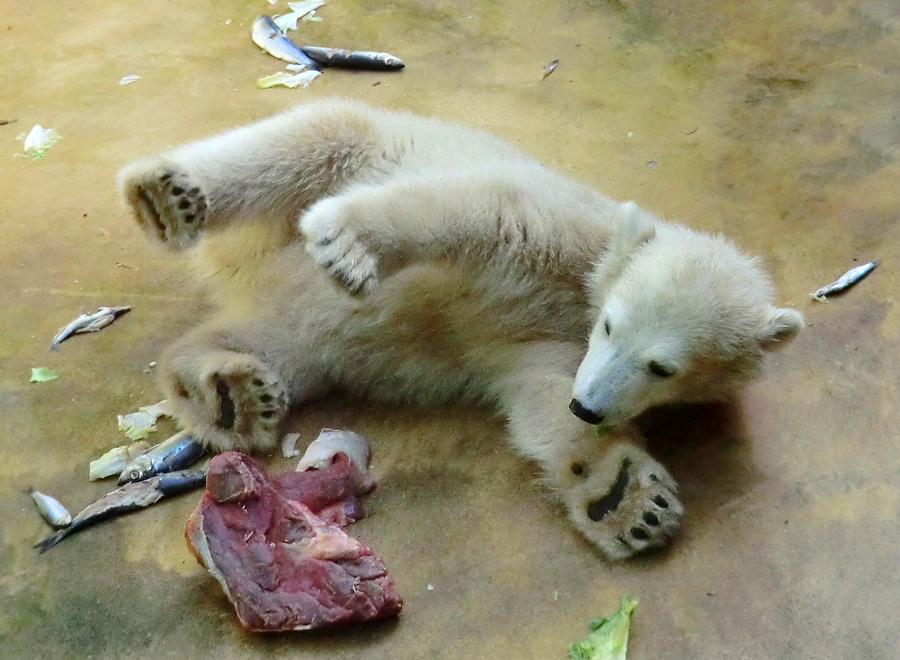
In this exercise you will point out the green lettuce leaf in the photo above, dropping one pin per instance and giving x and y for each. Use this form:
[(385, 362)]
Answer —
[(38, 141), (305, 10), (42, 375), (609, 636), (288, 79), (139, 425)]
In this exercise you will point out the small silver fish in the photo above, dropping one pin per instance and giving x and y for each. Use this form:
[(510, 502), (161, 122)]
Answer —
[(116, 459), (845, 281), (126, 499), (52, 511), (271, 38), (174, 453), (88, 323), (549, 68), (353, 59)]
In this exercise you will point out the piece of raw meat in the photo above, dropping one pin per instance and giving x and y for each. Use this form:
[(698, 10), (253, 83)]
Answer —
[(276, 546)]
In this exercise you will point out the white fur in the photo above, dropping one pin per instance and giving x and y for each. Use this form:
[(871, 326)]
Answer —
[(433, 263)]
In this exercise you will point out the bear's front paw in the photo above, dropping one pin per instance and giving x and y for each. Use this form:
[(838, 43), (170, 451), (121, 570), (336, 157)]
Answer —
[(623, 501), (167, 203), (338, 248), (229, 400)]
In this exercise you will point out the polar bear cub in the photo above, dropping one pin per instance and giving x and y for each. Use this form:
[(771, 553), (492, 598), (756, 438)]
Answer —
[(409, 260)]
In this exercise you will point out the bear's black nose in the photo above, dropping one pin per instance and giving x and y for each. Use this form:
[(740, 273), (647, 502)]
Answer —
[(583, 413)]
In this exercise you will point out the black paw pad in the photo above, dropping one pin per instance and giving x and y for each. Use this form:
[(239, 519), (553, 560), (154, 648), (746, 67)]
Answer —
[(226, 405), (609, 502)]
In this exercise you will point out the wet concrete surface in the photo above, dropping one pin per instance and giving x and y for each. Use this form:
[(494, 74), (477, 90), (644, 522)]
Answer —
[(775, 123)]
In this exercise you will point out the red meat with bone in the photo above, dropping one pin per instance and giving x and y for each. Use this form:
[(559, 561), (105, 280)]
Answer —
[(277, 547)]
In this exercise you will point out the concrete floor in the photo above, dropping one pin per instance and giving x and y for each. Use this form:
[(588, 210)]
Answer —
[(775, 123)]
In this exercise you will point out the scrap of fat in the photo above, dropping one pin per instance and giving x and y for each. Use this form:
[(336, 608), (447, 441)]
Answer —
[(321, 451)]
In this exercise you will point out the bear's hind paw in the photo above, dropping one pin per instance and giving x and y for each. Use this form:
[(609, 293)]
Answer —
[(167, 203), (233, 401)]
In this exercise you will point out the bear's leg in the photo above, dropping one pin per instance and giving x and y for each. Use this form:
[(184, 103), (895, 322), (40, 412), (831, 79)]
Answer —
[(271, 169), (617, 496), (372, 230), (231, 384)]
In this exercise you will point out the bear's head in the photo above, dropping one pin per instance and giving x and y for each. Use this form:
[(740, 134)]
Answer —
[(681, 316)]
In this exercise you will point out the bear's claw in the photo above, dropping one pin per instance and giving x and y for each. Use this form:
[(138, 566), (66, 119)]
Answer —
[(337, 248)]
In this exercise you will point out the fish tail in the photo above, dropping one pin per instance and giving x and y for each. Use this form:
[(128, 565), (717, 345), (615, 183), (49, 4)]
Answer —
[(50, 541)]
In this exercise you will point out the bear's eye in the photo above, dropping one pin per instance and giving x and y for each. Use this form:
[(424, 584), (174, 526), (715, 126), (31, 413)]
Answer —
[(660, 370), (606, 327)]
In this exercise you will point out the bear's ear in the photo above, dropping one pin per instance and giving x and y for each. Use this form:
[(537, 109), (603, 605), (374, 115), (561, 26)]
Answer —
[(633, 229), (781, 326)]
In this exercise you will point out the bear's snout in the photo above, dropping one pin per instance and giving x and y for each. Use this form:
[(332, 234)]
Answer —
[(584, 414)]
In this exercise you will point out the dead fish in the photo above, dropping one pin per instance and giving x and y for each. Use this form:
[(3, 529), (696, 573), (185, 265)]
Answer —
[(175, 453), (353, 59), (126, 499), (88, 323), (549, 68), (321, 451), (271, 38), (845, 281), (52, 511)]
